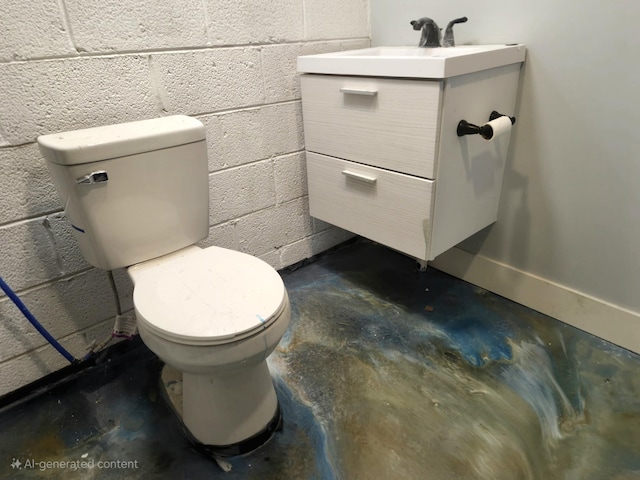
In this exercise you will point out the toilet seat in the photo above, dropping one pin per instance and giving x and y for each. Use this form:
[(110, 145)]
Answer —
[(210, 296)]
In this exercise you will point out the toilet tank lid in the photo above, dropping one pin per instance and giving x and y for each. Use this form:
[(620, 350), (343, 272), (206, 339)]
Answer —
[(113, 141)]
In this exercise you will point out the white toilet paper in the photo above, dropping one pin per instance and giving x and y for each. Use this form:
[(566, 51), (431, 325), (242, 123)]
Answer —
[(500, 126)]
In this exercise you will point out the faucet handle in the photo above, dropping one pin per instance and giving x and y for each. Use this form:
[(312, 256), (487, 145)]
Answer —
[(448, 33)]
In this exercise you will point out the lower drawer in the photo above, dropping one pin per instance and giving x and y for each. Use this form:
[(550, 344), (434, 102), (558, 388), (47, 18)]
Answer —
[(391, 208)]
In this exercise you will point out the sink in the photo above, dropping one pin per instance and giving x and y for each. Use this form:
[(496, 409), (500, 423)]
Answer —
[(413, 62)]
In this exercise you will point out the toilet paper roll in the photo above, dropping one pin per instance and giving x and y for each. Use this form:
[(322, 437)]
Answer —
[(496, 128)]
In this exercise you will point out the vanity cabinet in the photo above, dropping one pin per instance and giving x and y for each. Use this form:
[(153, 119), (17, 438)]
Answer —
[(384, 160)]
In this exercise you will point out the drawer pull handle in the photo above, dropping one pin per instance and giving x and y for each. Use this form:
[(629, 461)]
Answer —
[(359, 176), (358, 91)]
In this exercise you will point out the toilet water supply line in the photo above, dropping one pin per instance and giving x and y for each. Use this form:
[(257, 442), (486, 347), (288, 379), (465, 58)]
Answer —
[(25, 311), (43, 331)]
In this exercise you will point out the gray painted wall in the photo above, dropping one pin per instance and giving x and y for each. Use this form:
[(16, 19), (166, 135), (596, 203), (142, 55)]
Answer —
[(570, 207)]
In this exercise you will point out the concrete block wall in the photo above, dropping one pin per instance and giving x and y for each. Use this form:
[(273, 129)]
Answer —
[(66, 64)]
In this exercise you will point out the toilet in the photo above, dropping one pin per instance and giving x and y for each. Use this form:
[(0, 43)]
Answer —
[(137, 196)]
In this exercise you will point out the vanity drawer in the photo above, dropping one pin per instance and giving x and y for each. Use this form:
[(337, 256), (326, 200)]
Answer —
[(391, 208), (385, 122)]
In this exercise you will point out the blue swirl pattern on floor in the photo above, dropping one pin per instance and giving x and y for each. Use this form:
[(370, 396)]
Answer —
[(385, 372)]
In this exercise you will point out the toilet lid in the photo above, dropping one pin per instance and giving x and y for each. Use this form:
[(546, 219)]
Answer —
[(211, 296)]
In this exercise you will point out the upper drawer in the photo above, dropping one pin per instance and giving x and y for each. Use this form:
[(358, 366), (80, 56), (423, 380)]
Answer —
[(385, 122)]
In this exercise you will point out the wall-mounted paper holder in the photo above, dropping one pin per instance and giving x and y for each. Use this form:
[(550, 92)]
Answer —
[(466, 128)]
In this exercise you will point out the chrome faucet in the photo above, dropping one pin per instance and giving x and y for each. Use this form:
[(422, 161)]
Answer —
[(430, 36)]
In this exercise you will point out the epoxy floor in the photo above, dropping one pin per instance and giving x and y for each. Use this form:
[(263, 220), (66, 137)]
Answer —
[(385, 373)]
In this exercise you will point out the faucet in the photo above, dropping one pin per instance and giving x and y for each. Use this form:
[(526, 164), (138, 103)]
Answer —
[(448, 33), (430, 36)]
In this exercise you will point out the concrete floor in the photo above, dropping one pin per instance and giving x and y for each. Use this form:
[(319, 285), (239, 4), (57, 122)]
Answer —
[(385, 373)]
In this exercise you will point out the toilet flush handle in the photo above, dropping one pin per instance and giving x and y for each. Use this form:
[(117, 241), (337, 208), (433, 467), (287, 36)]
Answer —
[(93, 177)]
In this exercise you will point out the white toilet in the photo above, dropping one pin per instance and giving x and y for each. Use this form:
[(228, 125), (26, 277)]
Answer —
[(137, 196)]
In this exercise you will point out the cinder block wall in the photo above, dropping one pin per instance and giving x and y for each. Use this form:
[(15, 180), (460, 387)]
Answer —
[(69, 64)]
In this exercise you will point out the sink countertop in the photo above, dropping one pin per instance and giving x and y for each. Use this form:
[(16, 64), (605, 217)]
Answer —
[(413, 62)]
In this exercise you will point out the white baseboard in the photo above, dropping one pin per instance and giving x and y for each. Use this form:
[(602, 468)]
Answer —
[(597, 317)]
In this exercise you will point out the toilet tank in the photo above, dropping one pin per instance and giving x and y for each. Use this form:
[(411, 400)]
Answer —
[(132, 191)]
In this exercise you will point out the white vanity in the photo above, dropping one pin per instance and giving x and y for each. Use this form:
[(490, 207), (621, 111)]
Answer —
[(384, 159)]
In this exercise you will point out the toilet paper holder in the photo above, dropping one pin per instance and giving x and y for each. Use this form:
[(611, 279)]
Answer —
[(466, 128)]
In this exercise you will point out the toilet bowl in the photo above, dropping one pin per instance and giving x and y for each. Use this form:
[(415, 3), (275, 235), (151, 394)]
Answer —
[(215, 315), (137, 196)]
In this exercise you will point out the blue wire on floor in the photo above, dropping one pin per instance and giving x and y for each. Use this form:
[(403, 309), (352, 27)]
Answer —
[(25, 311)]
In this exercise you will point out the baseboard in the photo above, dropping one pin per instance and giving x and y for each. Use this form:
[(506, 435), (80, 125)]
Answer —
[(597, 317)]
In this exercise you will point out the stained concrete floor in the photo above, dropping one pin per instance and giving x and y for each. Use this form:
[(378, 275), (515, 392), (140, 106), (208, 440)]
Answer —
[(385, 373)]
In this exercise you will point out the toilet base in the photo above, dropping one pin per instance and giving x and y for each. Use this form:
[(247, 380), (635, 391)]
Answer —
[(171, 383), (240, 448)]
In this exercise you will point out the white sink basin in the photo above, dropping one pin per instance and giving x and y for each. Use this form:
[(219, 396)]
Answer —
[(413, 62)]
